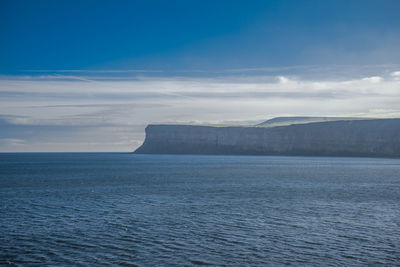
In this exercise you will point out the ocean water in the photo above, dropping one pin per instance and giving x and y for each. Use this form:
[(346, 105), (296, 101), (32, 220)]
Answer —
[(159, 210)]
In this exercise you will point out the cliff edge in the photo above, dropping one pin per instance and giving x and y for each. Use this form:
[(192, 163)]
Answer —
[(370, 137)]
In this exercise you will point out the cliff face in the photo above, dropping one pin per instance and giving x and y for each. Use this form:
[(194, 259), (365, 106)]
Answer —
[(378, 137)]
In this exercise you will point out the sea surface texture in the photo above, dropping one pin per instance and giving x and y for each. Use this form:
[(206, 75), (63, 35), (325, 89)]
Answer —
[(160, 210)]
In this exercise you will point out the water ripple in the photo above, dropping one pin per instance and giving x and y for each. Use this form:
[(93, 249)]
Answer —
[(133, 210)]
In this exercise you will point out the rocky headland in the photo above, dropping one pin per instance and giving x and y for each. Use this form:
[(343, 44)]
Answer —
[(308, 136)]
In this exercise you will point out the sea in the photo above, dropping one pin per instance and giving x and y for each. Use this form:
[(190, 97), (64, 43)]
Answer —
[(94, 209)]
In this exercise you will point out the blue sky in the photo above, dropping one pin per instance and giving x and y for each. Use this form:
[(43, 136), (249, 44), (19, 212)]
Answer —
[(191, 35), (89, 75)]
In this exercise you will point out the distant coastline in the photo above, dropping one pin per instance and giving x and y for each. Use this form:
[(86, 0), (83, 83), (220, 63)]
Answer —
[(297, 136)]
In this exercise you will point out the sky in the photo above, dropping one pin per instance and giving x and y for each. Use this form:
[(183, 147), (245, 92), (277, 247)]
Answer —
[(90, 75)]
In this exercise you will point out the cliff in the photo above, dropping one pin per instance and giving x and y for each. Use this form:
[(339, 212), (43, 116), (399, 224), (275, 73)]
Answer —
[(376, 137)]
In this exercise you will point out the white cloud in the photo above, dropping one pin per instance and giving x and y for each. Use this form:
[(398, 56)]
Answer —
[(373, 79), (115, 112), (12, 142), (395, 74), (283, 79)]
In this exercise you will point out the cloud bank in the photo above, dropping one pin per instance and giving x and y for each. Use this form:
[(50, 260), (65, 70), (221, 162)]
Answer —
[(58, 112)]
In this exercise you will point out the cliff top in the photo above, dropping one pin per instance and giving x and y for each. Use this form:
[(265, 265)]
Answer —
[(285, 121), (275, 122)]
